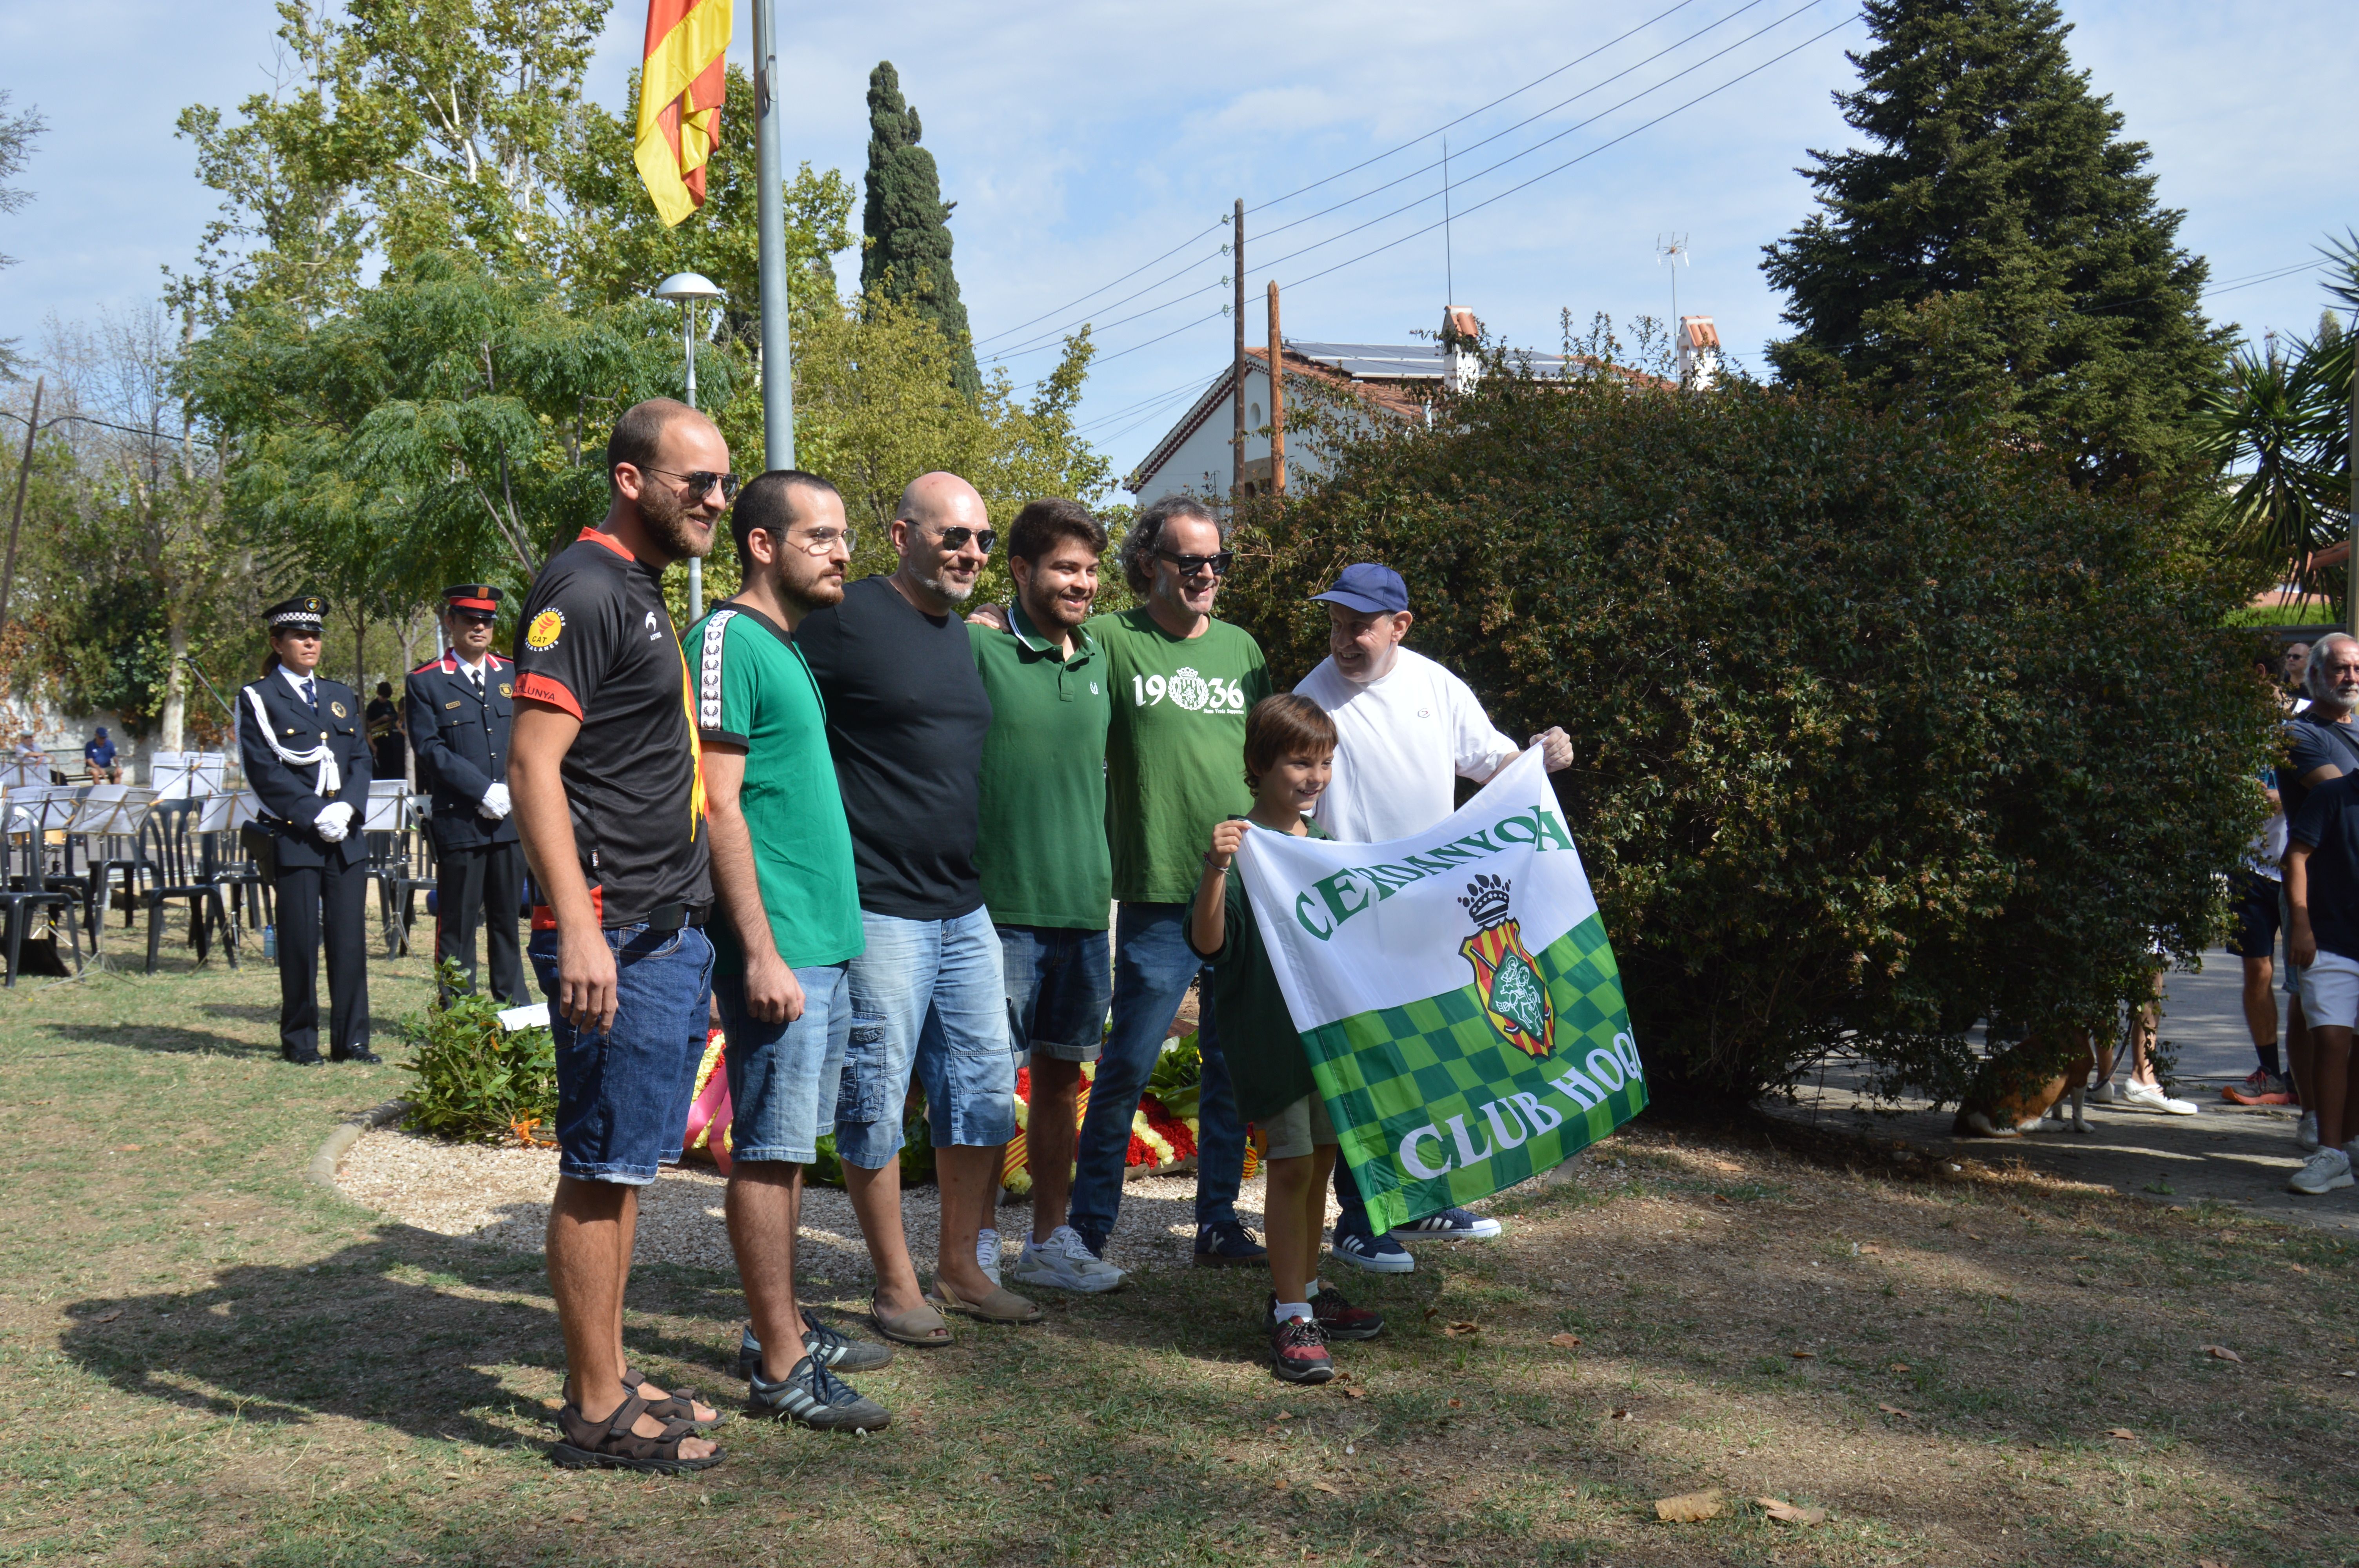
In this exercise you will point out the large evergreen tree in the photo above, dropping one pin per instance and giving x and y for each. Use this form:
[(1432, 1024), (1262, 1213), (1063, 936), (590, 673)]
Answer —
[(908, 225), (1998, 240)]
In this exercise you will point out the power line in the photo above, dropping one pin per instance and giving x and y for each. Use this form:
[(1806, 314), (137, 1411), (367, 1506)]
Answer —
[(1057, 334), (1125, 277), (1560, 169)]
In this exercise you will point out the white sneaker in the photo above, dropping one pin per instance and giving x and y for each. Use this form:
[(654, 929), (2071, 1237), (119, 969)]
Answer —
[(2305, 1133), (2150, 1097), (2104, 1094), (1064, 1262), (986, 1254), (2327, 1170)]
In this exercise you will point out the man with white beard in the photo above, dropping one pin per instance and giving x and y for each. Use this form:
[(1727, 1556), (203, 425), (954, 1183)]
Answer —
[(1407, 730)]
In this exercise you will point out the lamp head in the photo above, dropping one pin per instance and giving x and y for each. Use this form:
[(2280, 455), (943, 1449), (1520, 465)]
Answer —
[(687, 287)]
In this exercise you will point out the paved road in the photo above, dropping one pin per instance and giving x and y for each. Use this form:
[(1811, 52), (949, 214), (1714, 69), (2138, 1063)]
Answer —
[(2231, 1155)]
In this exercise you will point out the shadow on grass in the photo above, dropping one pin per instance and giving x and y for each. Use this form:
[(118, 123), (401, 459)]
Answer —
[(397, 1331), (163, 1038)]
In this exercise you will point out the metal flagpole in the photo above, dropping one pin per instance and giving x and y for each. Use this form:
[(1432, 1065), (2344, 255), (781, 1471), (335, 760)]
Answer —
[(770, 169), (688, 346)]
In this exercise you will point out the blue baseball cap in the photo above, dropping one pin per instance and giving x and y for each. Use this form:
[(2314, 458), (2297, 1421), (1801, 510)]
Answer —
[(1366, 587)]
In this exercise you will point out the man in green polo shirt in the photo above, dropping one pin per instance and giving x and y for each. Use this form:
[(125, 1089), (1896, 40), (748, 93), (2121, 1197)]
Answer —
[(1041, 854), (782, 872)]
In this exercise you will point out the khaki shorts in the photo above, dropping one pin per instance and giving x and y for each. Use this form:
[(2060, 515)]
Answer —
[(1302, 1127)]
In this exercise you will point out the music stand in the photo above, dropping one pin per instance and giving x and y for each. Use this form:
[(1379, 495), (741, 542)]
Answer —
[(19, 772), (210, 771), (223, 812), (167, 774), (388, 806)]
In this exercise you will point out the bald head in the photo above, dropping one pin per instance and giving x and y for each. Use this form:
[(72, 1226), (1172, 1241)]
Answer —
[(941, 531), (940, 501), (638, 436)]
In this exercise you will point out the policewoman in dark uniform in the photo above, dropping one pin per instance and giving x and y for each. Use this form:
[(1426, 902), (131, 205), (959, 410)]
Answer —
[(305, 752), (460, 707)]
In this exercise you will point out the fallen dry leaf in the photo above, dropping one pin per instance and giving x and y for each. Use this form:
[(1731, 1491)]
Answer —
[(1564, 1341), (1356, 1393), (1788, 1513), (2121, 1433), (109, 1315), (2220, 1352), (1432, 1313), (1620, 1415), (1900, 1365), (1970, 1235), (1460, 1330), (1279, 1484), (1719, 1197), (1804, 1354), (577, 1518), (1690, 1507), (1894, 1410), (1323, 1487), (1453, 1404), (1870, 1250)]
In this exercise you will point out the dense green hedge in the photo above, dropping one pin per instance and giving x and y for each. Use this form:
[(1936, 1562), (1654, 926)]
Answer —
[(1881, 727)]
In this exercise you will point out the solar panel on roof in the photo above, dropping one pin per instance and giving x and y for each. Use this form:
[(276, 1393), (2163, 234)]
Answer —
[(1414, 361)]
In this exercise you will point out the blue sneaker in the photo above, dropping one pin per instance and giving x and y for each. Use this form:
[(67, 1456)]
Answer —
[(1449, 1225), (1356, 1245), (812, 1396), (1228, 1245)]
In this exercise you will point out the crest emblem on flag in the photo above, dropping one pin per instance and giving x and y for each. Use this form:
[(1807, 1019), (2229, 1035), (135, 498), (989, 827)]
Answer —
[(1513, 1000)]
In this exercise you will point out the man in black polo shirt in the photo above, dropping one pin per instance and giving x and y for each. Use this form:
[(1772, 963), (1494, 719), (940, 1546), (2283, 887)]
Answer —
[(906, 718), (604, 779)]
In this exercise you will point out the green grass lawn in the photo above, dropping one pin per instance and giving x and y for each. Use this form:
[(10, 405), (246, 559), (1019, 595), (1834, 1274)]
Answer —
[(215, 1362)]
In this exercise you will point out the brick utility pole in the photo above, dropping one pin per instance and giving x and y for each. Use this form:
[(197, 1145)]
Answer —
[(1237, 376), (1276, 399)]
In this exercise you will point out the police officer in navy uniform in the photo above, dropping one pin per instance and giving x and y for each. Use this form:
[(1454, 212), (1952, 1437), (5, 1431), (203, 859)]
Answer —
[(304, 750), (460, 707)]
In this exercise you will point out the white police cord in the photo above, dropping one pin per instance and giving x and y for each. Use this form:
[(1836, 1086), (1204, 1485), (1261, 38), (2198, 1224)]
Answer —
[(331, 778)]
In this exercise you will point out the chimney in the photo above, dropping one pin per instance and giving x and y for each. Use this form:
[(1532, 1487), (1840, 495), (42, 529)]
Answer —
[(1699, 344), (1461, 341)]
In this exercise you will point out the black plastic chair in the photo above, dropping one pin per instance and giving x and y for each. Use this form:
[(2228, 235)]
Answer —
[(26, 892), (169, 844)]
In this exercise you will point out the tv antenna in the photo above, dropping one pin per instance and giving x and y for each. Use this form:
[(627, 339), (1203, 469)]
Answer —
[(1671, 250)]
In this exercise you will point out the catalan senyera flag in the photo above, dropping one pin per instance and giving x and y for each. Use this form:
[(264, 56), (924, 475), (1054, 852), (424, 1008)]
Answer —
[(679, 100)]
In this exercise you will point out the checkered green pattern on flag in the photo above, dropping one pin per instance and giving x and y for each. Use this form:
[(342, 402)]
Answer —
[(1456, 994)]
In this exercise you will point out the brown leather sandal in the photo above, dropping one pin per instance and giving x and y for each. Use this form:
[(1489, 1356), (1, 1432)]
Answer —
[(613, 1445), (679, 1405)]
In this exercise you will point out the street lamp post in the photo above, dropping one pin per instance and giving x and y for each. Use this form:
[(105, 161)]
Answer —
[(686, 290)]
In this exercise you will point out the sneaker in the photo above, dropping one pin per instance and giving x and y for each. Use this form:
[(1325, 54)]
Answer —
[(1377, 1254), (2149, 1097), (1228, 1245), (2305, 1132), (2259, 1088), (2104, 1094), (1064, 1262), (986, 1254), (812, 1396), (2327, 1171), (1297, 1350), (1450, 1225), (831, 1348), (1339, 1319)]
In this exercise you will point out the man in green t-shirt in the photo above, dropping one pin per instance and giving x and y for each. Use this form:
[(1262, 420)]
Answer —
[(782, 872), (1041, 853), (1182, 684)]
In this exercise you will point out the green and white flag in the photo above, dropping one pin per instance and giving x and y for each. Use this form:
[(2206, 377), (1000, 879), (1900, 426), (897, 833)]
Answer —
[(1456, 994)]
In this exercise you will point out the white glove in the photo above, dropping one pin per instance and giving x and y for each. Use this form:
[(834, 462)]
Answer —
[(334, 821), (496, 802)]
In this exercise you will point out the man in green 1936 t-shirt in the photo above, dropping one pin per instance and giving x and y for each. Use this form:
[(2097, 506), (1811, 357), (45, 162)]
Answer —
[(1182, 684)]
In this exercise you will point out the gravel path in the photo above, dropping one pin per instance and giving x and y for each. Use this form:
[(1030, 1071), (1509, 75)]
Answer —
[(501, 1196)]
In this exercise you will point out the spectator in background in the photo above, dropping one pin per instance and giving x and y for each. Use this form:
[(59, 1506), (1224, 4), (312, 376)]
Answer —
[(388, 752), (2321, 743), (2256, 898), (98, 756), (2294, 666)]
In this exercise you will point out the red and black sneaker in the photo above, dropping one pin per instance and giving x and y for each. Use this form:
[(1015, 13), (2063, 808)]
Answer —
[(1297, 1351), (1339, 1319)]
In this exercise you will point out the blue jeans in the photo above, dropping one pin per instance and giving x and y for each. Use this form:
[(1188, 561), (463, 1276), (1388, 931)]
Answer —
[(783, 1077), (1057, 985), (1152, 967), (623, 1096), (926, 995)]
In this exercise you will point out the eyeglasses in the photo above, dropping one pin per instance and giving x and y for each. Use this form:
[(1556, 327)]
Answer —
[(700, 483), (1190, 565), (956, 538), (819, 541)]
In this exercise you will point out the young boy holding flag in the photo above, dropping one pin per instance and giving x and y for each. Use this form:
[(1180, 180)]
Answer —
[(1288, 758)]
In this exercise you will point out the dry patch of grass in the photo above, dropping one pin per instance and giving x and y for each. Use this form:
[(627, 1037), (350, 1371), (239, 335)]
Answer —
[(214, 1363)]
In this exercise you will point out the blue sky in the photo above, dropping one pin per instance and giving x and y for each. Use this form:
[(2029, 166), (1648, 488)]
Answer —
[(1081, 140)]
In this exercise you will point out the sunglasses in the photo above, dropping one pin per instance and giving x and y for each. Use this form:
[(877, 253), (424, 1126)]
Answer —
[(819, 541), (956, 538), (1190, 565), (700, 483)]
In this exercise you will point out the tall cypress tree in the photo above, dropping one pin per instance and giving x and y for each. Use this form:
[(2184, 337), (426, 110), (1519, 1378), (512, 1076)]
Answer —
[(907, 223), (1998, 240)]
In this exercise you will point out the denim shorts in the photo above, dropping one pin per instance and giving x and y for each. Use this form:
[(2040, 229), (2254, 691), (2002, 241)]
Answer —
[(623, 1096), (1059, 982), (783, 1077), (926, 997)]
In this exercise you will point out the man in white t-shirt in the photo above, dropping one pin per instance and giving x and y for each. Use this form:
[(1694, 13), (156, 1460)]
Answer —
[(1406, 731)]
